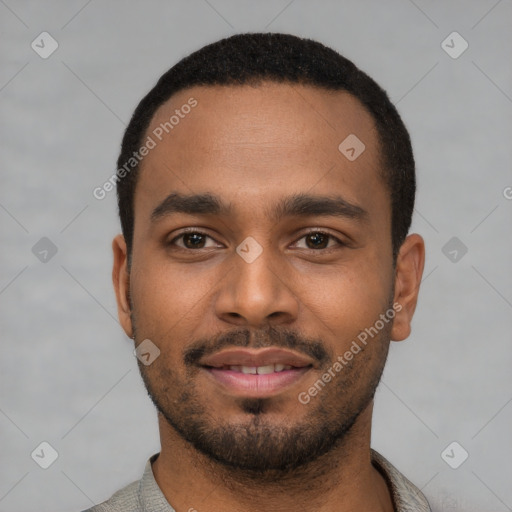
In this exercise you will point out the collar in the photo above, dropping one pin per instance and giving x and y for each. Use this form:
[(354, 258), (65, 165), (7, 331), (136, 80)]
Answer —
[(406, 496)]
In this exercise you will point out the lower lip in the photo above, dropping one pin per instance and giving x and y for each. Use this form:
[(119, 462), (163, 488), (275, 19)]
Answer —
[(254, 385)]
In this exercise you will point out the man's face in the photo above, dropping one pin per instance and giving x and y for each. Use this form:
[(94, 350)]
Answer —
[(249, 287)]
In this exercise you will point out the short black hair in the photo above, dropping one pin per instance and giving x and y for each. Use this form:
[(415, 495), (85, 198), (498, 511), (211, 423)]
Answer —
[(254, 58)]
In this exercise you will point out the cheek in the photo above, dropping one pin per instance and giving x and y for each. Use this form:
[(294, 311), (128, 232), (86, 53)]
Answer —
[(169, 298), (349, 300)]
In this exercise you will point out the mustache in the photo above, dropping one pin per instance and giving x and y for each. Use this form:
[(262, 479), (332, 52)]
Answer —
[(244, 337)]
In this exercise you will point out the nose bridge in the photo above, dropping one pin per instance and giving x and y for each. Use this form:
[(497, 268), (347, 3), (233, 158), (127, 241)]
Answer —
[(255, 289), (253, 269)]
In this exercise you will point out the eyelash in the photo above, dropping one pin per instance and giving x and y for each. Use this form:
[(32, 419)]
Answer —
[(312, 232)]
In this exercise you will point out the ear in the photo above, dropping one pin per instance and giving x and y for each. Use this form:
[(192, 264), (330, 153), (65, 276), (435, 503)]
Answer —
[(121, 281), (409, 269)]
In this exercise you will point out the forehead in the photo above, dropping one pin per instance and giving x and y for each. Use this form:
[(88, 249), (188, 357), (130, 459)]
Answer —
[(255, 141), (267, 114)]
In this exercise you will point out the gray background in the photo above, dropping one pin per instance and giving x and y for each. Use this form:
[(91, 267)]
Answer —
[(68, 375)]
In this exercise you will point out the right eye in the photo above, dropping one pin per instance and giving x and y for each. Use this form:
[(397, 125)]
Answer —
[(192, 239)]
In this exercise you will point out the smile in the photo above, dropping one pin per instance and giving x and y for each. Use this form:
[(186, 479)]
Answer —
[(256, 373)]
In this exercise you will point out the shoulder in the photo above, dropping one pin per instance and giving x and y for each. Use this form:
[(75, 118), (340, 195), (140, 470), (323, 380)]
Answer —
[(125, 499)]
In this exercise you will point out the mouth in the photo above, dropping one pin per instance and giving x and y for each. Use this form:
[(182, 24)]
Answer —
[(256, 373), (258, 370)]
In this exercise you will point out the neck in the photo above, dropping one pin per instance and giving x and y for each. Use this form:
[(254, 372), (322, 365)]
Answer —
[(343, 479)]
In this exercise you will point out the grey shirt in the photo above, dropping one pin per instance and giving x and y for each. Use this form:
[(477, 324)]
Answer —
[(144, 495)]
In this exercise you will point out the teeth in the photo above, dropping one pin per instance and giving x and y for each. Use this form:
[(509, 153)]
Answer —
[(260, 370)]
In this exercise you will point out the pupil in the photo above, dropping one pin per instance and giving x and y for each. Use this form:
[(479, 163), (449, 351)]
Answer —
[(318, 237), (196, 239)]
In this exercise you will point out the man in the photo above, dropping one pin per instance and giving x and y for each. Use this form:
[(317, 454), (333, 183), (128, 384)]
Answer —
[(266, 187)]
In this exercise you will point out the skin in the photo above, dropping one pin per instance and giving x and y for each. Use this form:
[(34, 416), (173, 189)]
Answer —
[(251, 147)]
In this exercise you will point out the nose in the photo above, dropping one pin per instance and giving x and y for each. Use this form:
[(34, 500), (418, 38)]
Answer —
[(257, 293)]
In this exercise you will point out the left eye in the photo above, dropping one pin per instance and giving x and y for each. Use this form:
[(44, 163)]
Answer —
[(318, 240)]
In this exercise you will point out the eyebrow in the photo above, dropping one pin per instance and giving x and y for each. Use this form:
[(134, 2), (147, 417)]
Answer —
[(297, 205)]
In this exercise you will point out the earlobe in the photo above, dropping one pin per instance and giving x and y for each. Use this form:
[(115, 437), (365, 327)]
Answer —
[(409, 270), (121, 282)]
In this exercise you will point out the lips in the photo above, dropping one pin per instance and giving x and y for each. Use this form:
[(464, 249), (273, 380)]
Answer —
[(256, 372), (256, 358)]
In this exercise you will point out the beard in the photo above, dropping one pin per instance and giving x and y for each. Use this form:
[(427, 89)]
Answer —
[(259, 445)]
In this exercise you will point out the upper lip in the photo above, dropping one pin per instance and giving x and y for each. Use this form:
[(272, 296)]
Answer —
[(256, 357)]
